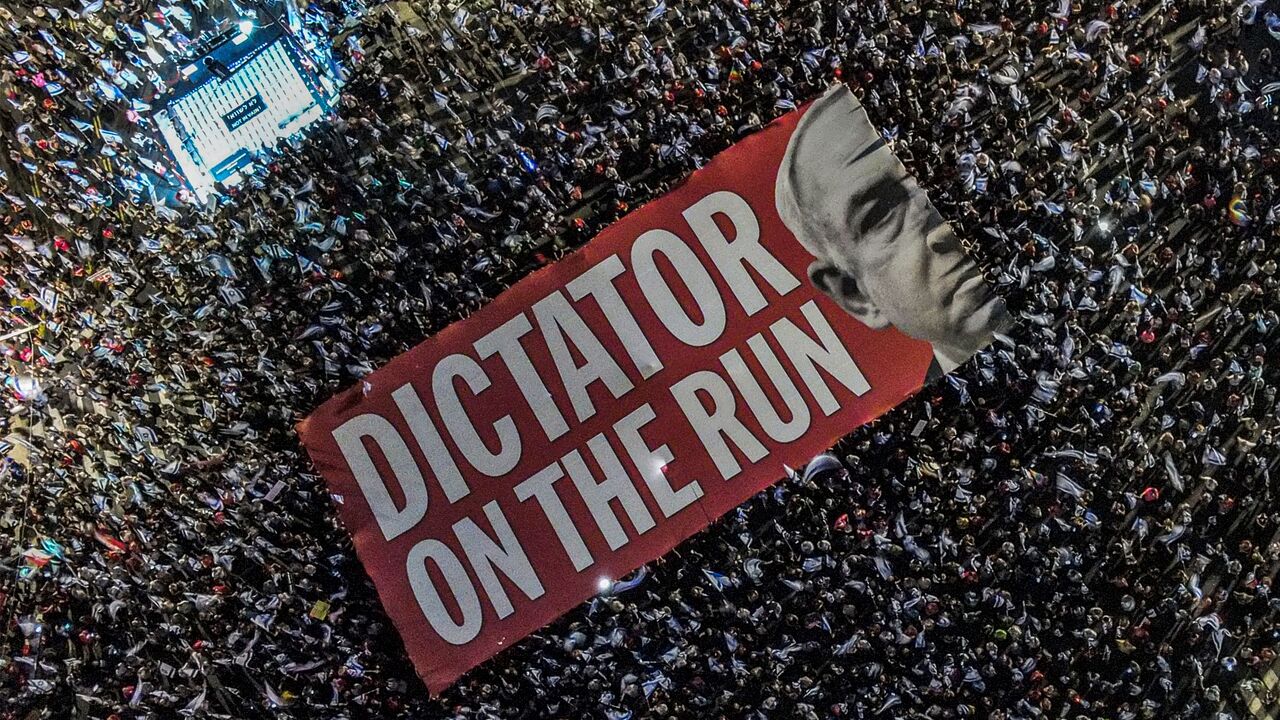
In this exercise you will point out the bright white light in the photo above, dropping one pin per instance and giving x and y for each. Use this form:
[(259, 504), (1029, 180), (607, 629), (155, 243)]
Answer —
[(1104, 225), (603, 584), (245, 26), (26, 387)]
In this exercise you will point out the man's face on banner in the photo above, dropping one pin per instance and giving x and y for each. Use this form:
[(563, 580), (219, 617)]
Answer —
[(883, 251)]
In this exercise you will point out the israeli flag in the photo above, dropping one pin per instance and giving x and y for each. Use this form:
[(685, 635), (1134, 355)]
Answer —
[(962, 388), (719, 581), (632, 583), (658, 11), (460, 17), (1069, 486), (221, 265), (231, 294), (654, 682), (1213, 457)]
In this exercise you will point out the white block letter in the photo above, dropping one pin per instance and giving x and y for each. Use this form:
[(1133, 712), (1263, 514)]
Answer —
[(484, 553), (505, 341), (350, 438), (433, 447), (615, 486), (652, 463), (559, 321), (827, 353), (598, 283), (721, 420), (428, 596), (732, 258), (541, 486), (664, 302), (459, 422), (758, 401)]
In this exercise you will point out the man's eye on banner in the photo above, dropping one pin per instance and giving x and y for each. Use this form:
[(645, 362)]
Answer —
[(883, 253)]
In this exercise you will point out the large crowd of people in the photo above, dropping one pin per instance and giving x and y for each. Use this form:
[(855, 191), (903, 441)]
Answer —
[(1076, 524)]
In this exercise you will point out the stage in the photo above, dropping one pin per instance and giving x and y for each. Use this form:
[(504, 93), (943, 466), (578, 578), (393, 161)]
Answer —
[(254, 87)]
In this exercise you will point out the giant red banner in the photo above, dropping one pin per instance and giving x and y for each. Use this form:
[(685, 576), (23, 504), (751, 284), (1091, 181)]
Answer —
[(611, 405)]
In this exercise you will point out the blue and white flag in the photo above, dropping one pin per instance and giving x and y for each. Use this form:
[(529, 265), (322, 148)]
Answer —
[(655, 681), (631, 583), (1171, 469), (1213, 457), (1069, 486), (231, 294), (460, 17), (656, 12), (719, 581), (221, 265)]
